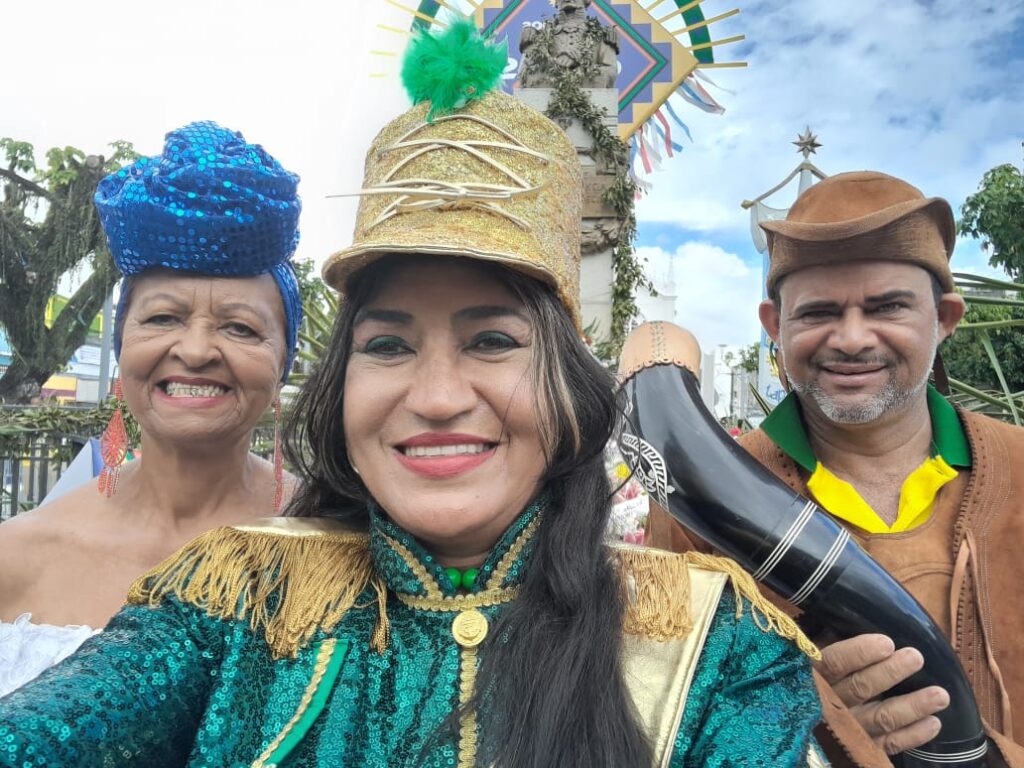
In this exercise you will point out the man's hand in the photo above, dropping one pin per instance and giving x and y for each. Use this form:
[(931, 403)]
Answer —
[(864, 667)]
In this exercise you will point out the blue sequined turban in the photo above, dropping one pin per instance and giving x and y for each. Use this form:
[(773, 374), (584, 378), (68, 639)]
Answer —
[(211, 204)]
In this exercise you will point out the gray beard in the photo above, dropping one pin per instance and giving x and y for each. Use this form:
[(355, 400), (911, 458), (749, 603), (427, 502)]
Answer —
[(890, 398)]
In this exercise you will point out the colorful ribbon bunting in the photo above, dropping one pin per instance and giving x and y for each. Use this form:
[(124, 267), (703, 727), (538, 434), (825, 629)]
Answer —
[(643, 152), (665, 132), (694, 92), (680, 123), (700, 75)]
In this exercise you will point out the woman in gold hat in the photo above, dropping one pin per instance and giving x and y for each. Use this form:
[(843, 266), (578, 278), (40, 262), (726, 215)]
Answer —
[(441, 593)]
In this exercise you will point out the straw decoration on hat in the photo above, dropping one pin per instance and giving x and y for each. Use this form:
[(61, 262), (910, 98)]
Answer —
[(469, 171)]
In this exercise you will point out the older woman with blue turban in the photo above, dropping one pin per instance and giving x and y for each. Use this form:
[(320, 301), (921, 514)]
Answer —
[(205, 334)]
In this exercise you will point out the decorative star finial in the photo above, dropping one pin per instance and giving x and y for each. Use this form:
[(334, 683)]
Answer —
[(807, 143)]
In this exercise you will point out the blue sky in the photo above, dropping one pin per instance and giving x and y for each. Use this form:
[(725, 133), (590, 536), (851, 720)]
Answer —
[(930, 91)]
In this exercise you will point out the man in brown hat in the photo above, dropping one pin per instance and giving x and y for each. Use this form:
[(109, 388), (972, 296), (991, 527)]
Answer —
[(860, 297)]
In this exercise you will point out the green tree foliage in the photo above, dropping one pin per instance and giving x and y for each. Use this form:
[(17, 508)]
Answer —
[(966, 359), (570, 101), (995, 215), (985, 360), (319, 306), (311, 287), (749, 357), (48, 227), (746, 358)]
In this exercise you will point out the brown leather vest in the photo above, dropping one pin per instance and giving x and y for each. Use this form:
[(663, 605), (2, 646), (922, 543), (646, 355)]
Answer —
[(965, 564)]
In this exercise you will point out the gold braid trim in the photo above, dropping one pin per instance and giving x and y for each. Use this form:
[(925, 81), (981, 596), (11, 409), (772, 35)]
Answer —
[(418, 569), (659, 601), (467, 723), (460, 602), (323, 657), (315, 572), (510, 557)]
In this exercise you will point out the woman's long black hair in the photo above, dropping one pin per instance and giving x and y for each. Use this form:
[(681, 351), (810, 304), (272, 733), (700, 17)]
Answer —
[(550, 686)]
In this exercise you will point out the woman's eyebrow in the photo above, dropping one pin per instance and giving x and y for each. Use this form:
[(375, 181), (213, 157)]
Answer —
[(153, 298), (486, 312), (393, 316), (239, 306)]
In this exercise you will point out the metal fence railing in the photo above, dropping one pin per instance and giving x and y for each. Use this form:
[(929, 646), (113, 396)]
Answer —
[(27, 475)]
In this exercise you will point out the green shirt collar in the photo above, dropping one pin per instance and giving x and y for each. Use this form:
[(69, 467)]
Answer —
[(785, 426), (947, 432)]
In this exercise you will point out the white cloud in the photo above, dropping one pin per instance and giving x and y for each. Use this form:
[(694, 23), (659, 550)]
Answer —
[(927, 91), (717, 292), (912, 88), (292, 76), (970, 257)]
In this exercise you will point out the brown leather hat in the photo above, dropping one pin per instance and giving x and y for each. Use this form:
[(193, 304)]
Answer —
[(862, 216)]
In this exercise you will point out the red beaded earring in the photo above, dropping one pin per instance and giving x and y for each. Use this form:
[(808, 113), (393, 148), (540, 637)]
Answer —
[(113, 445)]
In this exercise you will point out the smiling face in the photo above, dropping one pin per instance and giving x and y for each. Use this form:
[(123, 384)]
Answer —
[(201, 358), (858, 339), (439, 410)]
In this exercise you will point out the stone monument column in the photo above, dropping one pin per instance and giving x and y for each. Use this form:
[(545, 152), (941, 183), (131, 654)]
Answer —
[(573, 43)]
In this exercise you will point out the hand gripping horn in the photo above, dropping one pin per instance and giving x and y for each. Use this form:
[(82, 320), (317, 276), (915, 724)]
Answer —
[(693, 469)]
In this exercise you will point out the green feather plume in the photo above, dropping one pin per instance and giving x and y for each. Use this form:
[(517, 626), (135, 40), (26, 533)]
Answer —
[(451, 67)]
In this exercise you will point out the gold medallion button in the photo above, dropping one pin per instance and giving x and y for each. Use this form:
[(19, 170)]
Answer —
[(469, 628)]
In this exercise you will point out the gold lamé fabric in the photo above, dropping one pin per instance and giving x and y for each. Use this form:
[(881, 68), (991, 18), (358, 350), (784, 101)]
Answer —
[(496, 181)]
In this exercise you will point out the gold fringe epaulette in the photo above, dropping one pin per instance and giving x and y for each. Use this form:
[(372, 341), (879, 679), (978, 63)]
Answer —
[(659, 600), (288, 576)]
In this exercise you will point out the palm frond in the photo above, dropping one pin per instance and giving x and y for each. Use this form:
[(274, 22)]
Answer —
[(986, 342), (762, 403), (990, 328), (968, 280), (319, 311), (981, 401)]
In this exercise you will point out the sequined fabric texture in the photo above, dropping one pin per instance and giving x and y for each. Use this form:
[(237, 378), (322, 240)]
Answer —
[(172, 687), (210, 204), (494, 143), (752, 701)]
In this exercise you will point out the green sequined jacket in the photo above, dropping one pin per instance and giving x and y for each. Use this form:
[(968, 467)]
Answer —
[(296, 642)]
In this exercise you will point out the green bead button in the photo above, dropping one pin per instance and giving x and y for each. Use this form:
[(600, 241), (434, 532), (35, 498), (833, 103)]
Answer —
[(462, 579), (455, 576)]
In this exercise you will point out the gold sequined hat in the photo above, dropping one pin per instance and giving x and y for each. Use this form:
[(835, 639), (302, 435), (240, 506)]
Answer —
[(471, 172)]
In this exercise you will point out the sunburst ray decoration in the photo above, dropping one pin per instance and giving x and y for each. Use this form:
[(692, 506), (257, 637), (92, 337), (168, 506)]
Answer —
[(665, 47)]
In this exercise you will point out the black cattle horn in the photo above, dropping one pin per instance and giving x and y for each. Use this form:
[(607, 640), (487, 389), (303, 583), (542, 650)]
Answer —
[(692, 468)]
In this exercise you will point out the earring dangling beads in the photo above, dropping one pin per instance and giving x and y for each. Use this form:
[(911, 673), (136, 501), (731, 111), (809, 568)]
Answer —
[(113, 445), (278, 459)]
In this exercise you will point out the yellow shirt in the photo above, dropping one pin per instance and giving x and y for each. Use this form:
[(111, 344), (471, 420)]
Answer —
[(785, 427), (917, 497)]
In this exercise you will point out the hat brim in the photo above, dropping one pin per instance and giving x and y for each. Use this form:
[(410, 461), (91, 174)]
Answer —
[(814, 232), (340, 266)]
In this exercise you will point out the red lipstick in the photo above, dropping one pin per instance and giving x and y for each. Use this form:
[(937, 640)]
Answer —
[(433, 464)]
